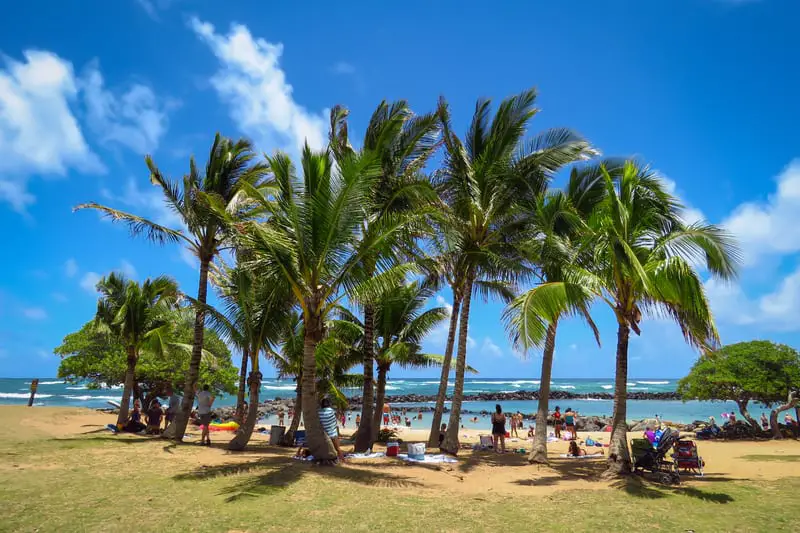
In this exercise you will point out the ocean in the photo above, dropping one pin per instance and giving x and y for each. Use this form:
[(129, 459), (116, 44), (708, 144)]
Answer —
[(53, 392)]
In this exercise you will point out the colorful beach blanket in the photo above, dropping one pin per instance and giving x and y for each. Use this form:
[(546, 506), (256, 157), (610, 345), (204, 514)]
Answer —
[(374, 455)]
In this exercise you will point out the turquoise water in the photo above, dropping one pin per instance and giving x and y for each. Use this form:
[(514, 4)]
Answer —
[(57, 393)]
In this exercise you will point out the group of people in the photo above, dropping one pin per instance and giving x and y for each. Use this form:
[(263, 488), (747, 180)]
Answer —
[(565, 422), (397, 419)]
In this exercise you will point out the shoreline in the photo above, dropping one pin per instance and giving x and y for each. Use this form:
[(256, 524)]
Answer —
[(523, 395)]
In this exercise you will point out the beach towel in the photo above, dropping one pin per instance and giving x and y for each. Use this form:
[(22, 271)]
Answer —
[(374, 455), (439, 458), (551, 439), (309, 458), (567, 456)]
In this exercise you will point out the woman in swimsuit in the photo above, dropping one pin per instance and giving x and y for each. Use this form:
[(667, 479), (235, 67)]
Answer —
[(557, 421), (576, 451), (569, 421), (499, 429)]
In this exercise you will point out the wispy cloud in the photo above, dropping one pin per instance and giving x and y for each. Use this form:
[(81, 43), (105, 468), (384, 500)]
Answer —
[(488, 347), (89, 282), (70, 267), (59, 297), (34, 313), (343, 68)]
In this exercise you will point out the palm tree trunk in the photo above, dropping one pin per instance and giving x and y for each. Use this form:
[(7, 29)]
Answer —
[(746, 414), (539, 452), (127, 388), (178, 427), (242, 383), (380, 397), (317, 441), (450, 443), (288, 438), (619, 457), (364, 435), (245, 431), (441, 395)]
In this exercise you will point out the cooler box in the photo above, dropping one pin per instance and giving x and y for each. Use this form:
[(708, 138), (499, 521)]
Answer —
[(392, 448), (300, 437), (276, 435), (416, 450)]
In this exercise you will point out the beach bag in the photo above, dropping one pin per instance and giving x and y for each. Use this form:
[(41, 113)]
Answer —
[(486, 441), (416, 450)]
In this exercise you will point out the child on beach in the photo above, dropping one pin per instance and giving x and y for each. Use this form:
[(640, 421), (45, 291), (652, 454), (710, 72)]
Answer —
[(358, 420)]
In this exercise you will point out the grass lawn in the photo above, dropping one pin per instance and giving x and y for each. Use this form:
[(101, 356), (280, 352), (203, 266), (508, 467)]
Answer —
[(101, 482)]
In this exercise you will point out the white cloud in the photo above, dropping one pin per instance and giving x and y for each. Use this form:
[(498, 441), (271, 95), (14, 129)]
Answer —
[(490, 348), (135, 118), (70, 267), (43, 354), (39, 133), (573, 346), (690, 214), (89, 282), (343, 67), (778, 310), (147, 203), (59, 297), (471, 342), (253, 84), (127, 269), (34, 313), (771, 227), (441, 302), (153, 7), (189, 258)]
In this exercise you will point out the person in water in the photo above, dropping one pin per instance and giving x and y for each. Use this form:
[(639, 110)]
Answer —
[(569, 421), (577, 451), (499, 429)]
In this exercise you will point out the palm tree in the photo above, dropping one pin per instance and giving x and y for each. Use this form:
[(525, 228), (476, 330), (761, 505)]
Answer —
[(196, 201), (313, 241), (255, 309), (481, 181), (402, 143), (643, 263), (139, 316), (556, 221)]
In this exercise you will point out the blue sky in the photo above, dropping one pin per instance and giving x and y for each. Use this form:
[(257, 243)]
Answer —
[(701, 89)]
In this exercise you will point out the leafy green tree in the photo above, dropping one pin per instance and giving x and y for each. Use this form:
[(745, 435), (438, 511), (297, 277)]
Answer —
[(481, 181), (97, 358), (643, 263), (402, 142), (197, 201), (313, 240), (138, 315), (757, 371)]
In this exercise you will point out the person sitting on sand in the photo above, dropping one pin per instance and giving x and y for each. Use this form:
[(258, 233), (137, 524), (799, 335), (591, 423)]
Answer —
[(531, 431), (302, 453), (650, 435), (134, 424), (154, 415), (577, 451), (499, 429), (327, 417)]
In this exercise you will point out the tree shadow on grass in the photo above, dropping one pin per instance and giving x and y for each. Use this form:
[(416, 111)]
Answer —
[(476, 458), (271, 474), (640, 488)]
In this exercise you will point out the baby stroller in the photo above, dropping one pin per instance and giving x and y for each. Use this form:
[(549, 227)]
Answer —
[(654, 460), (687, 457)]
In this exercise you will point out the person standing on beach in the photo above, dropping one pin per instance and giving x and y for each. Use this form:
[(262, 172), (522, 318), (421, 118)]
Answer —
[(173, 406), (557, 421), (499, 429), (386, 410), (569, 420), (280, 416), (204, 402)]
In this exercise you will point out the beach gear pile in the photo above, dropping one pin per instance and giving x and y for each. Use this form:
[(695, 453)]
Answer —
[(223, 426)]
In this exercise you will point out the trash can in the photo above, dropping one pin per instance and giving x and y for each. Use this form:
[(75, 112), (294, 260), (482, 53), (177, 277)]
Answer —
[(276, 435)]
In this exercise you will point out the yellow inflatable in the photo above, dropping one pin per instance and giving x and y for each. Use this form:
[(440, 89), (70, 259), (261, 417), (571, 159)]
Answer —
[(225, 426)]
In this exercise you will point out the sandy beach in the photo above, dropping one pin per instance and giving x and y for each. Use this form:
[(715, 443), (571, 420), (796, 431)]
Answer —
[(476, 471)]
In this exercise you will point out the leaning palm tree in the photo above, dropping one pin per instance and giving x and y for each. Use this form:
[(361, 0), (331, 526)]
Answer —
[(556, 221), (138, 315), (255, 308), (643, 263), (313, 241), (402, 143), (196, 201), (481, 181)]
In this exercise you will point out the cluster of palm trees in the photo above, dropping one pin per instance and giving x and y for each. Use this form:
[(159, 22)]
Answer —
[(323, 252)]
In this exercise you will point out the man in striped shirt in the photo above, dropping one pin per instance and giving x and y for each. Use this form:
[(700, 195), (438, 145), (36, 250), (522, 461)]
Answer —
[(327, 417)]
